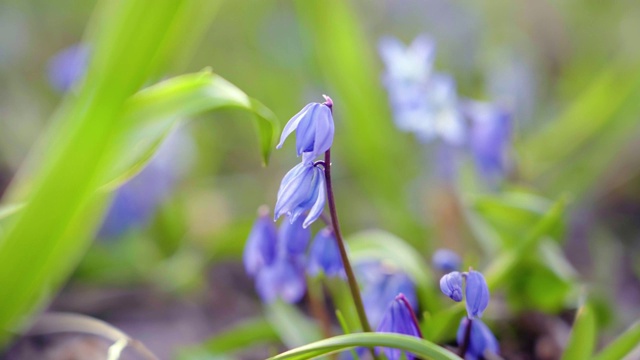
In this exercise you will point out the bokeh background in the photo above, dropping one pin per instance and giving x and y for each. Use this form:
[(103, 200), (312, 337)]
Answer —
[(165, 267)]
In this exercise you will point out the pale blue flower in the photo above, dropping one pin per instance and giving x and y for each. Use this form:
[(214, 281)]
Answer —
[(446, 260), (260, 249), (314, 129), (481, 340), (302, 190), (324, 255), (476, 294), (451, 285), (411, 64), (399, 318)]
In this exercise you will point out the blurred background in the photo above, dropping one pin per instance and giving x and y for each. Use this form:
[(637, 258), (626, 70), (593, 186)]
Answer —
[(165, 266)]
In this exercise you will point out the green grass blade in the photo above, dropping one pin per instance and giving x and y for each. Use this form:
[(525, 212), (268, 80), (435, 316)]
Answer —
[(582, 340), (45, 240), (621, 346), (421, 348), (293, 327)]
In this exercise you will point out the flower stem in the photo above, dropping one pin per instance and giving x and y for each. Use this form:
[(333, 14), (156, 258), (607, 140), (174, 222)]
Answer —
[(351, 278)]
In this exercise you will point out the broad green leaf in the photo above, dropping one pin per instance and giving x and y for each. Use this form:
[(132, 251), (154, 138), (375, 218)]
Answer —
[(384, 246), (621, 346), (419, 347), (582, 340), (43, 242), (293, 327), (241, 336), (155, 111)]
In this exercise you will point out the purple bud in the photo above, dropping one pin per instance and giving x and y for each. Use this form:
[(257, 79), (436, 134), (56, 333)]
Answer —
[(68, 66), (399, 318), (446, 260), (481, 340), (314, 129), (451, 285), (293, 238), (476, 293), (324, 255), (302, 190), (260, 249)]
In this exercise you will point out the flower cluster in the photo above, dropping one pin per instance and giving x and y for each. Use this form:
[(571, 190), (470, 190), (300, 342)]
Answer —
[(473, 335), (279, 258), (303, 188), (426, 103)]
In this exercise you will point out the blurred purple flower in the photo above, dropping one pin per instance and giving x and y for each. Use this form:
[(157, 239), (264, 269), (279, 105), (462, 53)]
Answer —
[(451, 285), (324, 255), (476, 294), (490, 138), (302, 190), (446, 260), (284, 279), (260, 249), (423, 102), (68, 66), (481, 339), (294, 238), (380, 285), (136, 201), (400, 319), (314, 129)]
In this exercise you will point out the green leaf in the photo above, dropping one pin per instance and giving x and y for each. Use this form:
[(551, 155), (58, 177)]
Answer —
[(42, 244), (384, 246), (155, 111), (241, 336), (582, 340), (293, 327), (622, 346), (419, 347)]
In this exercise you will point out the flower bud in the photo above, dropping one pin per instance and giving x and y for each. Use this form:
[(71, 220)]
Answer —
[(324, 255), (481, 340), (446, 260), (400, 319), (260, 249), (314, 129), (451, 285), (476, 293)]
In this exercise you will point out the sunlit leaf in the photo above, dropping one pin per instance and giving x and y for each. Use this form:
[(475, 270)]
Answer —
[(582, 340), (622, 345)]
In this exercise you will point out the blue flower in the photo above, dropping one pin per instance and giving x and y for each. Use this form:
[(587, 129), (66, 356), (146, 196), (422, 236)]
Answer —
[(284, 279), (302, 190), (411, 64), (476, 294), (380, 285), (446, 260), (451, 285), (260, 249), (481, 339), (400, 319), (68, 66), (324, 255), (314, 129), (490, 137), (293, 238)]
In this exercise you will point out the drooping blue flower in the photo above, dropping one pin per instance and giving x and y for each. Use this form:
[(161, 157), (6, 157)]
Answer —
[(68, 66), (380, 285), (451, 285), (302, 190), (400, 319), (476, 294), (324, 255), (284, 279), (481, 339), (294, 238), (314, 129), (446, 260), (490, 137), (260, 249)]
